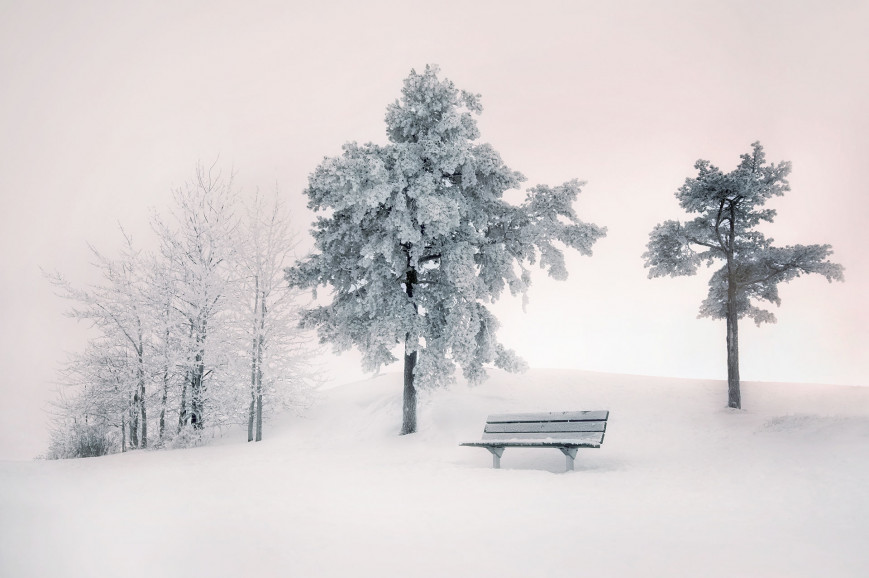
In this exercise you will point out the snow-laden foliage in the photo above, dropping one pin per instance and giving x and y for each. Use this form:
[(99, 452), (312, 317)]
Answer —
[(729, 207), (265, 315), (197, 244), (414, 238), (80, 440), (202, 335), (113, 369)]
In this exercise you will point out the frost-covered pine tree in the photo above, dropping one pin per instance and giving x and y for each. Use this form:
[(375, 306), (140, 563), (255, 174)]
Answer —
[(730, 206), (414, 239)]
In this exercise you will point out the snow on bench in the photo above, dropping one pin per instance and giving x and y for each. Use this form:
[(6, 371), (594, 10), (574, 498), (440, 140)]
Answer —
[(563, 430)]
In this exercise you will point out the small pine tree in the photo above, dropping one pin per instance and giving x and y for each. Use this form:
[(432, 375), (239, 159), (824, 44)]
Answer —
[(730, 206)]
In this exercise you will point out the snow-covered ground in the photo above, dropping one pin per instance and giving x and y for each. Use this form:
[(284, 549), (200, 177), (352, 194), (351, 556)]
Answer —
[(682, 486)]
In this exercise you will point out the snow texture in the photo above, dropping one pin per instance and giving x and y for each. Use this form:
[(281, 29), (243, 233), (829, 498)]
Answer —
[(682, 486)]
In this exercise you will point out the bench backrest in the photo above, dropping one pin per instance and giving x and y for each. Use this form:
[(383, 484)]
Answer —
[(581, 426)]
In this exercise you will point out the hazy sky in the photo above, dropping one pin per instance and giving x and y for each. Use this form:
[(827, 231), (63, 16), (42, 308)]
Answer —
[(105, 107)]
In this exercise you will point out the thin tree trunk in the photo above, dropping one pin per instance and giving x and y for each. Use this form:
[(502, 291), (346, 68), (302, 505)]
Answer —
[(144, 413), (134, 421), (183, 415), (259, 414), (259, 367), (163, 401), (195, 383), (197, 386), (734, 399), (196, 417), (259, 395), (142, 410), (251, 413), (182, 410), (251, 416), (259, 405), (165, 397), (123, 434)]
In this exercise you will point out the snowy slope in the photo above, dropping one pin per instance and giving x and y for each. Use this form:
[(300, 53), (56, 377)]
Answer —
[(681, 487)]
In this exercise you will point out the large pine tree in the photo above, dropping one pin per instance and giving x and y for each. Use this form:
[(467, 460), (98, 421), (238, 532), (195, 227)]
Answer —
[(730, 206), (415, 238)]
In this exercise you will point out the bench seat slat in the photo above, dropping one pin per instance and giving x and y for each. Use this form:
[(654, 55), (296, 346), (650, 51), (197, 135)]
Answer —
[(550, 443), (553, 426), (549, 416), (579, 437)]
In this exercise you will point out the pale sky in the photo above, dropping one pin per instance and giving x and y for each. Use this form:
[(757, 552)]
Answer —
[(105, 107)]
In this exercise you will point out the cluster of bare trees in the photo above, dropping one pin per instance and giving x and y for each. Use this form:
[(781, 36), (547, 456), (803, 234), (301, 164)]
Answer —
[(200, 334)]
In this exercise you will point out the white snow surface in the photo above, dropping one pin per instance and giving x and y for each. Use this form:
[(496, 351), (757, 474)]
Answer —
[(682, 486)]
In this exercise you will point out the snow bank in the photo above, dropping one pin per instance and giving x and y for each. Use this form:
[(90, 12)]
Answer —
[(682, 486)]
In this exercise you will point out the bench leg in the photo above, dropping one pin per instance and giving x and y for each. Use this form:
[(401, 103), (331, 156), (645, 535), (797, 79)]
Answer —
[(569, 455), (496, 456)]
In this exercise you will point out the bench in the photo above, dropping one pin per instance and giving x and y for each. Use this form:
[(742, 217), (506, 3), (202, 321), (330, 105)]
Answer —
[(564, 430)]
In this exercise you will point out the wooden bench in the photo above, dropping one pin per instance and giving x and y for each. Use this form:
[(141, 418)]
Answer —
[(563, 430)]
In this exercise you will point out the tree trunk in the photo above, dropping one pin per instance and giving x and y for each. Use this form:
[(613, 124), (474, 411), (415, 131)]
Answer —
[(182, 410), (143, 441), (142, 410), (163, 401), (259, 393), (183, 414), (197, 384), (123, 435), (408, 423), (196, 401), (734, 399), (134, 421), (165, 397), (254, 420), (259, 367), (252, 410), (259, 415), (250, 417)]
